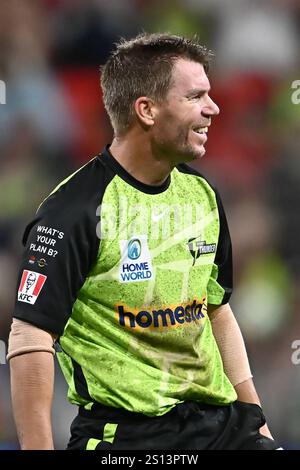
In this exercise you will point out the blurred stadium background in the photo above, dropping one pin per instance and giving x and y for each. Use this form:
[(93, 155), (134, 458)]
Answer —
[(53, 121)]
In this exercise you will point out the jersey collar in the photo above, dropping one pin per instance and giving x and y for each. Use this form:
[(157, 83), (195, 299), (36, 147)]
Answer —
[(120, 171)]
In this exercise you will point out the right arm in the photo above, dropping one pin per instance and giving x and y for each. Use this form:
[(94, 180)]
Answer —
[(30, 353), (47, 290), (32, 379)]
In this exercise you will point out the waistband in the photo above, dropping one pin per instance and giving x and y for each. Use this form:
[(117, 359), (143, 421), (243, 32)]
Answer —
[(119, 415)]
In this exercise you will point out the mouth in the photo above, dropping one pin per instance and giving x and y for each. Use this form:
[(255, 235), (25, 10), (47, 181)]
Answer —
[(201, 134), (201, 130)]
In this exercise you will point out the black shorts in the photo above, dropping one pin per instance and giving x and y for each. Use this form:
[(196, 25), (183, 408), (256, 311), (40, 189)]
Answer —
[(190, 425)]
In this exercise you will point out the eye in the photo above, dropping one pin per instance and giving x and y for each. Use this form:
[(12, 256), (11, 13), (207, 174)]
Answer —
[(197, 96), (193, 98)]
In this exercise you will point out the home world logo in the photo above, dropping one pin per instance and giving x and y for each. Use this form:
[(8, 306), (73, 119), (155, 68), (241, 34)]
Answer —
[(136, 264), (134, 249)]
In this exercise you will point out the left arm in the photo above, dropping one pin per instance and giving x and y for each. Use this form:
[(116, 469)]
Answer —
[(234, 355)]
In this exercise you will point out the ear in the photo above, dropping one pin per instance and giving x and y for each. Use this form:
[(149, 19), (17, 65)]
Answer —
[(145, 110)]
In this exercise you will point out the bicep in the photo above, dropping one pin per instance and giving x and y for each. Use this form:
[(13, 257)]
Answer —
[(26, 338), (215, 310)]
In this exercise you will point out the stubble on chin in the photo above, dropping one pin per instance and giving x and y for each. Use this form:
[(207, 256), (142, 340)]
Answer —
[(192, 154), (200, 154)]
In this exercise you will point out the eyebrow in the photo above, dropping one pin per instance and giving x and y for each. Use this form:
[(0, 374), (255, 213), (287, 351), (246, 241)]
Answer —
[(197, 91)]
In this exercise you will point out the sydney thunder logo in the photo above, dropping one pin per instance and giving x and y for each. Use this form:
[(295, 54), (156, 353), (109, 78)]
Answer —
[(198, 247)]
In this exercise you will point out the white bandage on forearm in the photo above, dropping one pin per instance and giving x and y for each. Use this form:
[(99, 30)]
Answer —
[(25, 338), (231, 345)]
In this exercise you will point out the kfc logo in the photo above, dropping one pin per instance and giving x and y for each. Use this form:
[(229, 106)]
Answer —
[(30, 286)]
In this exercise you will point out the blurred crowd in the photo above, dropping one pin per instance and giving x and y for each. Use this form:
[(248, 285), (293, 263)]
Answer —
[(54, 121)]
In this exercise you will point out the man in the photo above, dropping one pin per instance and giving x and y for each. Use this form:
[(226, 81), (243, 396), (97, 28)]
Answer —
[(128, 267)]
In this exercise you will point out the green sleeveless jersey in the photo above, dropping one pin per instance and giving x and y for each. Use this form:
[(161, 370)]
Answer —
[(123, 273)]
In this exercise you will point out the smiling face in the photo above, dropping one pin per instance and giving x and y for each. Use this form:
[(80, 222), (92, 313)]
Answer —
[(180, 127)]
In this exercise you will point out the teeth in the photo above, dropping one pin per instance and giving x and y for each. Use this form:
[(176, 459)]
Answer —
[(201, 130)]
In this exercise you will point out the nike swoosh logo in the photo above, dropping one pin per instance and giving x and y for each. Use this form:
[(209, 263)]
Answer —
[(157, 217)]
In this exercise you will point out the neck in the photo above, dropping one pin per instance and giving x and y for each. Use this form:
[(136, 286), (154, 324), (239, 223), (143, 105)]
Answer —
[(135, 154)]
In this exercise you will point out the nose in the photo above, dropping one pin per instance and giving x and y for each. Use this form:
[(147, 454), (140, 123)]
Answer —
[(210, 108)]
